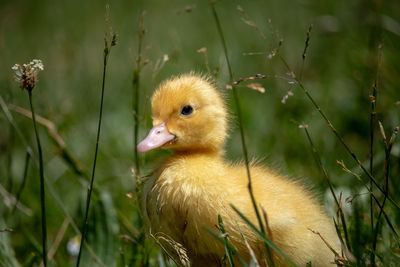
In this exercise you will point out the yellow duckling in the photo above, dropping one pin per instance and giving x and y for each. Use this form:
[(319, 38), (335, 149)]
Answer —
[(195, 185)]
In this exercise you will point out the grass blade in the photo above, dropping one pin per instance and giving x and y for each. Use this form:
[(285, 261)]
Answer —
[(42, 190), (373, 98), (22, 186), (135, 94), (231, 247), (239, 116), (225, 238), (324, 117), (107, 49), (52, 192), (263, 236), (325, 173)]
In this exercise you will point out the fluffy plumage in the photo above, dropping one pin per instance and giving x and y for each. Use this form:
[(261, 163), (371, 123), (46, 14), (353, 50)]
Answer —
[(188, 191)]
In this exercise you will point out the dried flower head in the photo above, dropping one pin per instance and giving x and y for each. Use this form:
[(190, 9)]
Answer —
[(114, 39), (27, 74), (179, 249), (285, 97), (202, 50), (257, 87)]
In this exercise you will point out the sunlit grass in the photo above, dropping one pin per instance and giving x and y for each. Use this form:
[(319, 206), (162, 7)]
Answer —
[(332, 70)]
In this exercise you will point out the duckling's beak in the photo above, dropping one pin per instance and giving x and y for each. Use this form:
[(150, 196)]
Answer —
[(157, 137)]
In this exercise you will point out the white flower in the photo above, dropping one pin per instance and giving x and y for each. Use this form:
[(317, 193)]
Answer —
[(73, 245), (27, 74), (37, 64)]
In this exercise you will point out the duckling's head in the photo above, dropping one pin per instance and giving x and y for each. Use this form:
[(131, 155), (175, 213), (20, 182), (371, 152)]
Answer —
[(189, 114)]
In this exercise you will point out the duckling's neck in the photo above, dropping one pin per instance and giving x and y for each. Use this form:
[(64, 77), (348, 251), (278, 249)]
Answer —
[(200, 151)]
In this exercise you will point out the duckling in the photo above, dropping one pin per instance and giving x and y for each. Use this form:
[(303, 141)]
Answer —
[(185, 195)]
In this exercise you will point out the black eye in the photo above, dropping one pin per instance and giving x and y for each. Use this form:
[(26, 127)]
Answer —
[(187, 110)]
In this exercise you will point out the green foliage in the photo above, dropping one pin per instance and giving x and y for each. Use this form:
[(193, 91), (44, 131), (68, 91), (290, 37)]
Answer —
[(7, 255), (103, 230), (341, 67)]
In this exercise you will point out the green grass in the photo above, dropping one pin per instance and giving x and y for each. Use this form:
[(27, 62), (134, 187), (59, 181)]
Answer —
[(342, 67)]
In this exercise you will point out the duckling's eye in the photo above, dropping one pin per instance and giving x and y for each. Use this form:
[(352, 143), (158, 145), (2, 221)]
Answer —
[(187, 110)]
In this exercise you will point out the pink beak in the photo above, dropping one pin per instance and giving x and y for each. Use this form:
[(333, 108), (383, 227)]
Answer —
[(157, 137)]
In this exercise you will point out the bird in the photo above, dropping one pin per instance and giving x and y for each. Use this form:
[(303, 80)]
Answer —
[(185, 194)]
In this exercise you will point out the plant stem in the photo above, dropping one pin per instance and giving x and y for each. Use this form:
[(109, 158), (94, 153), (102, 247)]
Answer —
[(371, 147), (49, 185), (263, 236), (330, 125), (388, 149), (353, 155), (270, 259), (319, 163), (306, 45), (239, 116), (135, 94), (42, 192), (10, 180), (22, 186), (226, 242), (377, 226), (90, 189)]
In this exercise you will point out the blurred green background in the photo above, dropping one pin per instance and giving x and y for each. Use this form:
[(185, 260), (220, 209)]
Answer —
[(339, 72)]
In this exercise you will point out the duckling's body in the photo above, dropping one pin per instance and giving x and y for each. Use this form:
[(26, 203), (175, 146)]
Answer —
[(191, 188)]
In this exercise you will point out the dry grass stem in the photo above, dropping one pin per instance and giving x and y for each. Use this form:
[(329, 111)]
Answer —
[(203, 51), (135, 93), (24, 178), (326, 242), (186, 9), (6, 230), (159, 65), (373, 98), (291, 74), (256, 87), (224, 236), (338, 259), (306, 45), (254, 261), (108, 44), (52, 130), (10, 201), (59, 238), (251, 78), (179, 249), (270, 259), (239, 117), (340, 213), (50, 188), (341, 163)]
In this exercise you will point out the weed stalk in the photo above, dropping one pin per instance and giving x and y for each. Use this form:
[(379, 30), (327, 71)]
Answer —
[(25, 175), (306, 45), (239, 116), (388, 149), (373, 98), (270, 259), (225, 238), (317, 107), (42, 190), (107, 49), (135, 94), (50, 188), (325, 173)]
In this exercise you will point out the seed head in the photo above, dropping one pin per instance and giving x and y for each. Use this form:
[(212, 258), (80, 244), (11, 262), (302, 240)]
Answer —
[(27, 74)]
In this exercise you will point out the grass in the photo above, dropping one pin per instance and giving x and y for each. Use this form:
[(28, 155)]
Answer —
[(333, 67), (240, 122), (42, 190), (108, 44)]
